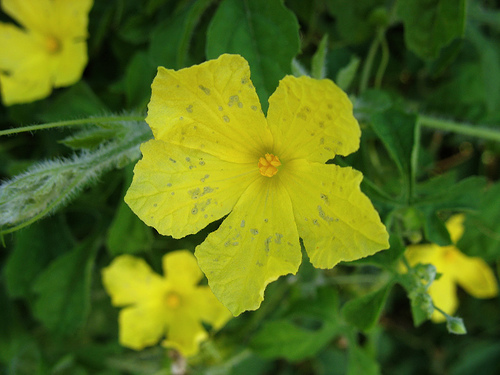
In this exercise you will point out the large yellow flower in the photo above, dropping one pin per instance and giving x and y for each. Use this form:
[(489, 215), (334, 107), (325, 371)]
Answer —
[(472, 273), (49, 51), (174, 305), (214, 153)]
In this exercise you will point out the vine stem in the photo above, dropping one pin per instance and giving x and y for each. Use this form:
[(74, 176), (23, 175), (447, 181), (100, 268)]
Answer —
[(460, 128), (60, 124)]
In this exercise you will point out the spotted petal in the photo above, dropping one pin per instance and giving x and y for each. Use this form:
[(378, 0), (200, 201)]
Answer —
[(311, 119), (212, 107), (257, 243), (179, 191), (336, 221)]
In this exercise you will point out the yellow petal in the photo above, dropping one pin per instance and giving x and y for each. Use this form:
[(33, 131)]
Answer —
[(455, 226), (130, 280), (336, 221), (311, 119), (32, 15), (212, 107), (210, 309), (72, 18), (257, 243), (179, 191), (444, 295), (475, 276), (181, 269), (142, 325), (425, 254), (185, 333), (69, 63)]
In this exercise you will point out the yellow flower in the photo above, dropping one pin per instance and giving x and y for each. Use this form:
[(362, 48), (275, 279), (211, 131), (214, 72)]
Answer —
[(214, 153), (472, 273), (49, 51), (173, 305)]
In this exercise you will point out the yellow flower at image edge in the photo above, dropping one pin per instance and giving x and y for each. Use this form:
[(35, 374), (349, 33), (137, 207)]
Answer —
[(214, 153), (49, 51), (472, 273), (156, 306)]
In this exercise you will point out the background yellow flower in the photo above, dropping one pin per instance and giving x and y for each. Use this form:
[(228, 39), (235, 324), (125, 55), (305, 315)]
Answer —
[(49, 51), (155, 306), (472, 273)]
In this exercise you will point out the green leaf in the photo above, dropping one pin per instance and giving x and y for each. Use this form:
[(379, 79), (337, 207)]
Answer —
[(353, 18), (63, 290), (398, 132), (361, 363), (306, 329), (452, 197), (264, 32), (346, 75), (318, 66), (482, 228), (364, 312), (35, 247), (89, 138), (138, 77), (170, 41), (430, 25)]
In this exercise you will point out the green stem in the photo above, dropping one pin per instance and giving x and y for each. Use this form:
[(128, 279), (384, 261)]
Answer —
[(384, 60), (367, 67), (460, 128), (60, 124)]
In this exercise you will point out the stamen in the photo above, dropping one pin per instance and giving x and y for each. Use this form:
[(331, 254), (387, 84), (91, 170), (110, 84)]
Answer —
[(268, 165), (173, 300), (52, 44)]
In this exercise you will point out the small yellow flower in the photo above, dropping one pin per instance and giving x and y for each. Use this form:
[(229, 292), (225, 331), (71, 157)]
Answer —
[(216, 154), (174, 305), (49, 51), (472, 273)]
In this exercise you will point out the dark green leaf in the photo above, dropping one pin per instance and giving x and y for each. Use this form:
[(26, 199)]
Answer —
[(264, 32), (35, 247), (361, 363), (138, 78), (63, 290), (431, 24), (364, 312), (309, 326), (127, 233)]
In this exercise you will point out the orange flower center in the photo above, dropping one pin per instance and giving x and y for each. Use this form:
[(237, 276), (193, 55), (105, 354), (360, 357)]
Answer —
[(52, 44), (173, 300), (268, 165)]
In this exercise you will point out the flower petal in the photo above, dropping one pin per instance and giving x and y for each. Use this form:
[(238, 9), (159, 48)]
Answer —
[(32, 15), (69, 64), (425, 254), (336, 221), (181, 269), (444, 295), (257, 243), (130, 280), (142, 325), (210, 309), (475, 276), (72, 18), (179, 191), (311, 119), (455, 226), (185, 333), (212, 107)]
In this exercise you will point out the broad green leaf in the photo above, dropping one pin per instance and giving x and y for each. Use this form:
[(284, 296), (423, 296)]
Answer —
[(170, 40), (354, 18), (138, 77), (364, 312), (361, 363), (430, 25), (318, 66), (481, 357), (35, 247), (346, 75), (398, 132), (264, 32), (461, 196), (306, 329), (63, 290), (482, 228)]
